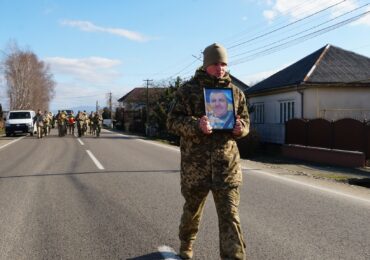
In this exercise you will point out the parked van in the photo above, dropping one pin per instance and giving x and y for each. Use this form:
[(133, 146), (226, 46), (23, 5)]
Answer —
[(20, 121)]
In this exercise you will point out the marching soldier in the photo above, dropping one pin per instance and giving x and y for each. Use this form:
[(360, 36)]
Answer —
[(97, 120), (39, 121), (62, 123)]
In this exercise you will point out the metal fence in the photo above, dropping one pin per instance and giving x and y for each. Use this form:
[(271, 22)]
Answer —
[(344, 134)]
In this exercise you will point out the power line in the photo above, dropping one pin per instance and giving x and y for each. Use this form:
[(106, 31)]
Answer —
[(287, 41), (309, 29), (187, 66), (294, 41), (282, 15), (285, 26)]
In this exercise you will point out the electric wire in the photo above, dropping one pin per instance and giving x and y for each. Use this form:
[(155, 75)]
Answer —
[(299, 33), (285, 26), (298, 40), (283, 15)]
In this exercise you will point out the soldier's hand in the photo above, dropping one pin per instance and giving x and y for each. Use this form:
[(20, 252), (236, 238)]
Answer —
[(238, 127), (204, 125)]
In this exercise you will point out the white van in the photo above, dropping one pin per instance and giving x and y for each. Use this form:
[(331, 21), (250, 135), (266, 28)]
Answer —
[(20, 121)]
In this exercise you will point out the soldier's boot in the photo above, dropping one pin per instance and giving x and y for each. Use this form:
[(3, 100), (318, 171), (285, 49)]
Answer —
[(186, 250)]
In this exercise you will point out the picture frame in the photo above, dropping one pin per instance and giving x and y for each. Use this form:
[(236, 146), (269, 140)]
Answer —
[(219, 108)]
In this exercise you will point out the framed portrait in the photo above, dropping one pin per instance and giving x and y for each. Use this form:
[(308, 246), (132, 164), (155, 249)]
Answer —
[(219, 107)]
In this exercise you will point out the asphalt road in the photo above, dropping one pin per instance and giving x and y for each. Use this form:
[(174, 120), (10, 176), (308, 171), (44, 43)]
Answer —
[(118, 197)]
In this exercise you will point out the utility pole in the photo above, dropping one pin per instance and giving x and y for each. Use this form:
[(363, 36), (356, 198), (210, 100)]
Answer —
[(110, 109), (97, 106), (147, 105)]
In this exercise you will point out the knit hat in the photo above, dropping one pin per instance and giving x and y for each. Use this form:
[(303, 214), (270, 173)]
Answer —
[(214, 53)]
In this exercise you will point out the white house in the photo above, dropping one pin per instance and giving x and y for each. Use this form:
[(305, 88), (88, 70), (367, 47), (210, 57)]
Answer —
[(331, 83)]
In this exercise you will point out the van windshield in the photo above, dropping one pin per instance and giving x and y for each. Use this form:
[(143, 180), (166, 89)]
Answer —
[(19, 115)]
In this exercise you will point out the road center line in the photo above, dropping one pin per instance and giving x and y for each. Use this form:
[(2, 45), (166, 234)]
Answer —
[(78, 139), (97, 163), (12, 142), (312, 186)]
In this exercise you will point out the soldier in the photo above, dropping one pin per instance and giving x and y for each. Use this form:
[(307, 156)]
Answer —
[(81, 118), (47, 121), (91, 123), (71, 124), (85, 121), (39, 121), (62, 123), (210, 159), (97, 119), (55, 118)]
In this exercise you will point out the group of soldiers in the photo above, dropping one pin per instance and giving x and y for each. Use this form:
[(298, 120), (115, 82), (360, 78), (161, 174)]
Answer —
[(44, 122), (91, 122), (67, 123)]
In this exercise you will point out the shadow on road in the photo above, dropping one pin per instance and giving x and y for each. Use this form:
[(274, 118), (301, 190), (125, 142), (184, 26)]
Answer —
[(156, 256), (85, 173)]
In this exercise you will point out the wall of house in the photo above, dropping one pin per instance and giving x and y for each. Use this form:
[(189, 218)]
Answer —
[(272, 105), (336, 103), (271, 130), (323, 102)]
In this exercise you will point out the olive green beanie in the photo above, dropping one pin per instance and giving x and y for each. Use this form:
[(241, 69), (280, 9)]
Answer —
[(214, 53)]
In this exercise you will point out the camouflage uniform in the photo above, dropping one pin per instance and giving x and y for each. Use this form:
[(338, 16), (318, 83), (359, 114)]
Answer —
[(39, 121), (62, 121), (46, 123), (209, 162), (96, 123)]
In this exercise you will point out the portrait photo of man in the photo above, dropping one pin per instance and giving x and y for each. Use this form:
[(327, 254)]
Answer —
[(220, 108)]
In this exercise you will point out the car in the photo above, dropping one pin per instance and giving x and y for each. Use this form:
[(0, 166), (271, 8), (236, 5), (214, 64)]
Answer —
[(20, 122)]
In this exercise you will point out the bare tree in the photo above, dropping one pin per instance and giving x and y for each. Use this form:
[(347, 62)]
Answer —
[(29, 81)]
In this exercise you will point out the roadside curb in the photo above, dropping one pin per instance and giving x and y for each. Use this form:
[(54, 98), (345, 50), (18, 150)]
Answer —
[(350, 176)]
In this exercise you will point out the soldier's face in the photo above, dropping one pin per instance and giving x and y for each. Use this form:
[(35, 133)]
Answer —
[(217, 70), (218, 104)]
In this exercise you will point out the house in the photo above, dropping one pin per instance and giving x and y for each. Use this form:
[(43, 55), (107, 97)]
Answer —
[(331, 83), (134, 104)]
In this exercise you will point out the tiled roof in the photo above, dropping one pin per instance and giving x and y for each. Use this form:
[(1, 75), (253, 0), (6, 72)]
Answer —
[(139, 94), (327, 65)]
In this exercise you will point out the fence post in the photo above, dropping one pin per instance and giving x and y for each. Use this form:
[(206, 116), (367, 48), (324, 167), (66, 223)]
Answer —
[(366, 139), (332, 144)]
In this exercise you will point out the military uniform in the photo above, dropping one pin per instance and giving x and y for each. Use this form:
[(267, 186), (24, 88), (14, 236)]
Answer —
[(39, 121), (62, 121), (47, 120), (209, 163), (96, 121)]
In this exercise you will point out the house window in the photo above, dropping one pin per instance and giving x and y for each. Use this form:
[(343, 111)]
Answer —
[(286, 110), (259, 113)]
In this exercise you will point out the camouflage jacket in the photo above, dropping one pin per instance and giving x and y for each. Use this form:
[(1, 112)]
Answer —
[(206, 160)]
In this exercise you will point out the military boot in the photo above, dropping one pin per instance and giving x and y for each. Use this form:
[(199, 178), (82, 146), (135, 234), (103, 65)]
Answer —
[(186, 250)]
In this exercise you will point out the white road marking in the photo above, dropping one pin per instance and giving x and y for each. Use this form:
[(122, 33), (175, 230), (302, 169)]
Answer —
[(167, 146), (97, 163), (12, 142), (269, 174), (168, 253), (78, 139), (312, 186)]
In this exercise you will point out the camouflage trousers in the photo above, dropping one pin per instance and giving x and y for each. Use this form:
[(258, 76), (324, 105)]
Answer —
[(232, 244)]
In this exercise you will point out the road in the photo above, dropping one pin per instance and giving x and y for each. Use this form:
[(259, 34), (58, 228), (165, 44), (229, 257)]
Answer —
[(118, 197)]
